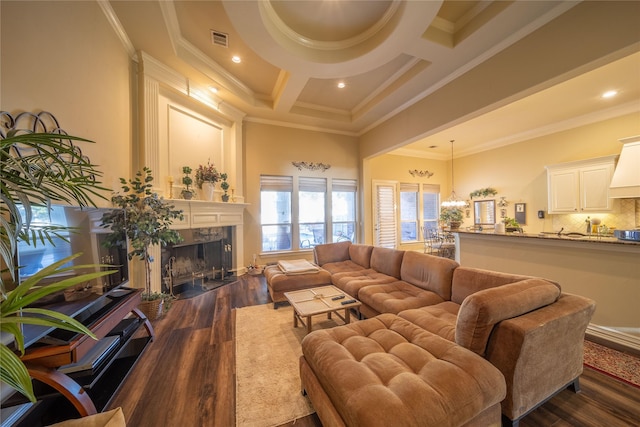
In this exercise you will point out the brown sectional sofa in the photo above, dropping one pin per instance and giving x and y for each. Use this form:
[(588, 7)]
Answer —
[(386, 371), (524, 326)]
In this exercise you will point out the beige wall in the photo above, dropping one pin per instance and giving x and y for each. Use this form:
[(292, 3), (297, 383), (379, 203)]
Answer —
[(69, 62), (516, 171), (270, 150)]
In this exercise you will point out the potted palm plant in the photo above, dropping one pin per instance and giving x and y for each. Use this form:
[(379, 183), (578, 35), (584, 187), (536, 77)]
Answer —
[(145, 218), (36, 170)]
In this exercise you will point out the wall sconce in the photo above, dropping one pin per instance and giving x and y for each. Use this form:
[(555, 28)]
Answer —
[(467, 208), (502, 204), (311, 166), (421, 174)]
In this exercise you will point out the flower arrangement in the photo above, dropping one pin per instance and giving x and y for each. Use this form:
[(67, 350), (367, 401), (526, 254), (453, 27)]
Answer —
[(207, 173)]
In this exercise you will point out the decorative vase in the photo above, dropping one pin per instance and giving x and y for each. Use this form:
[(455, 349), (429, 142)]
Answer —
[(208, 189)]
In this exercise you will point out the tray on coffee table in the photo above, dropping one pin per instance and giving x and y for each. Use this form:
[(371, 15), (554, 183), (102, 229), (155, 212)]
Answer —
[(310, 302)]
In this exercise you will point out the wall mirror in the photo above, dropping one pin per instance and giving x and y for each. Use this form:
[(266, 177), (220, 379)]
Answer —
[(484, 212)]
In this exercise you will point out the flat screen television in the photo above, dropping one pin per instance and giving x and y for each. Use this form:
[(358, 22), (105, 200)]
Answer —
[(86, 236)]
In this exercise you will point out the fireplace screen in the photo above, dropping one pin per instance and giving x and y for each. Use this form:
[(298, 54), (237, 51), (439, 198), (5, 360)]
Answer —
[(202, 258)]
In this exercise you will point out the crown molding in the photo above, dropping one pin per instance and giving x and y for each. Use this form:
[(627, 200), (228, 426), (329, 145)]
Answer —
[(115, 23)]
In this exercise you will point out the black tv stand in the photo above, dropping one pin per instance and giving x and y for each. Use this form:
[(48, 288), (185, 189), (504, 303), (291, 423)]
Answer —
[(73, 374)]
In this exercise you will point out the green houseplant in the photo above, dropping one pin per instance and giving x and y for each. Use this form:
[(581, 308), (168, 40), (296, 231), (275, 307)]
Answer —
[(48, 169), (187, 193), (511, 225), (451, 216), (144, 218), (225, 187)]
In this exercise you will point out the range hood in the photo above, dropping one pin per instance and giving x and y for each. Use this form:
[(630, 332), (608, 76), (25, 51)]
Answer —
[(625, 183)]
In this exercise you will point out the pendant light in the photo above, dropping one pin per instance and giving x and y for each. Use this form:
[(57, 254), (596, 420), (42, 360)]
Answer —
[(453, 201)]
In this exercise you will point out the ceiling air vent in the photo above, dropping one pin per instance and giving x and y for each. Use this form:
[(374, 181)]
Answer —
[(219, 39)]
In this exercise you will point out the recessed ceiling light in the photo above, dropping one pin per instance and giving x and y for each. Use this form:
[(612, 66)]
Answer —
[(213, 89), (610, 94), (341, 85), (236, 59)]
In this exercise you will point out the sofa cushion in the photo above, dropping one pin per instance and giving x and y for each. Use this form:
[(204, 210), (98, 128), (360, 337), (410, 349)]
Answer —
[(387, 371), (467, 281), (396, 296), (347, 266), (331, 252), (361, 254), (482, 310), (352, 281), (439, 318), (428, 272), (387, 261)]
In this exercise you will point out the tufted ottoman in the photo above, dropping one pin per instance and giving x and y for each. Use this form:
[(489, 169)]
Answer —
[(387, 371), (278, 283)]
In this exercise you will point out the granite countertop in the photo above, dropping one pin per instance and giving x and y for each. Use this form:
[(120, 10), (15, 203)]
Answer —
[(554, 236)]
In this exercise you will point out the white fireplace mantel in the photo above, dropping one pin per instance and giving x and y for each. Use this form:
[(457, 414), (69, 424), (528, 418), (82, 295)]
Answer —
[(198, 213)]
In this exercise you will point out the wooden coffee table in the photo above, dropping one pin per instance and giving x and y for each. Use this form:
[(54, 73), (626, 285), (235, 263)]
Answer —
[(310, 302)]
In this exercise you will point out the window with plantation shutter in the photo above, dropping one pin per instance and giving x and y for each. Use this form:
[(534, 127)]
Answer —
[(311, 211), (385, 215), (409, 212), (343, 209), (430, 206), (275, 212), (294, 211)]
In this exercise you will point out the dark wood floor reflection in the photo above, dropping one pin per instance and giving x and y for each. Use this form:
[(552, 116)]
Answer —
[(186, 377)]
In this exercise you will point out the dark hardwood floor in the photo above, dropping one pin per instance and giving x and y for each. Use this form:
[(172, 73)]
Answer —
[(186, 377)]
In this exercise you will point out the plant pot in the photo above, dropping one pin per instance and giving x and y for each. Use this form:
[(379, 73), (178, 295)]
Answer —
[(187, 194), (208, 189), (152, 309), (454, 225), (225, 197)]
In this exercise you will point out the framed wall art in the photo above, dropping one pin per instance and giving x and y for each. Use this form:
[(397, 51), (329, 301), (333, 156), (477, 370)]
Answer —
[(521, 213)]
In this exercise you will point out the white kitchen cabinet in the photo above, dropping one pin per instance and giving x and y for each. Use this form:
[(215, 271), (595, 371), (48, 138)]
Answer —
[(580, 187)]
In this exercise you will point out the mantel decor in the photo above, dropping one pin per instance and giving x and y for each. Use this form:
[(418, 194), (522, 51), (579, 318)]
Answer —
[(206, 178), (420, 173), (311, 166), (483, 192), (186, 192)]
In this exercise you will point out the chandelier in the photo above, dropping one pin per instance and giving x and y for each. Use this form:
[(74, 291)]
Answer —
[(453, 201)]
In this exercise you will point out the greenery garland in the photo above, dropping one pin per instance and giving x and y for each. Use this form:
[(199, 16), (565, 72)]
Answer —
[(484, 192)]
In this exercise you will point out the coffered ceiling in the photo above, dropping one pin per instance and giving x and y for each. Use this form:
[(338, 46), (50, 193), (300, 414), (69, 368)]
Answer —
[(389, 54)]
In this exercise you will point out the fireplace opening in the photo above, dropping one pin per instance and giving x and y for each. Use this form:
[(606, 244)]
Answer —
[(203, 260)]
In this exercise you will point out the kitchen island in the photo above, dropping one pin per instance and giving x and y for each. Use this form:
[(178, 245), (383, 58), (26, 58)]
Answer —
[(604, 269)]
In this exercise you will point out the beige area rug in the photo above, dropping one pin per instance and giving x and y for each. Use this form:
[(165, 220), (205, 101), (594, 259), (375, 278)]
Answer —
[(267, 366)]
